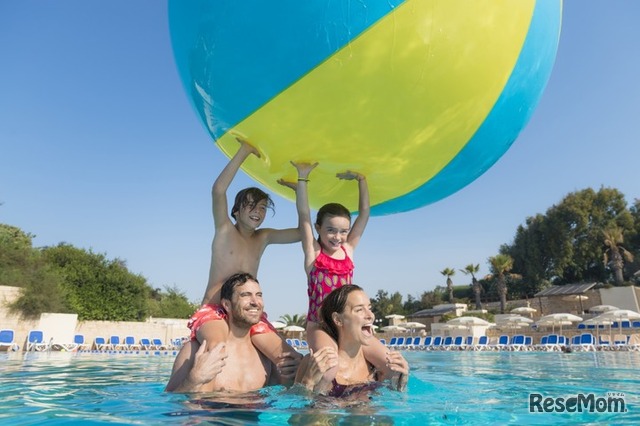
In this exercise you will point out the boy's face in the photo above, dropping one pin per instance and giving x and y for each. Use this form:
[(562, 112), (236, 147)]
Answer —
[(251, 213)]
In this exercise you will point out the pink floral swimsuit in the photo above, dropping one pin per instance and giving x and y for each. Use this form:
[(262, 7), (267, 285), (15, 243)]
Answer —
[(326, 275)]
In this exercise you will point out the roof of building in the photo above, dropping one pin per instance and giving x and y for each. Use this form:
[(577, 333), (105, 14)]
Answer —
[(433, 312), (565, 290)]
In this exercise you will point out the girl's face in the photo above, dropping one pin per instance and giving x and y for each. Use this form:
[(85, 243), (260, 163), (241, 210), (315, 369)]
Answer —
[(356, 322), (333, 232)]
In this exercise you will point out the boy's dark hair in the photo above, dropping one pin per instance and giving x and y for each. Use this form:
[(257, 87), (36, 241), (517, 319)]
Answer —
[(242, 199), (235, 280), (332, 209), (336, 301)]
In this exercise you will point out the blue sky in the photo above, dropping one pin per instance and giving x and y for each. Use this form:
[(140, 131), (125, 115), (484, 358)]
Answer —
[(100, 148)]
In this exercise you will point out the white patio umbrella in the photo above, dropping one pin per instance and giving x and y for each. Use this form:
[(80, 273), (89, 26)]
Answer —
[(597, 321), (293, 328), (468, 321), (621, 314), (602, 308), (412, 325), (514, 321), (523, 310), (576, 298), (398, 316), (558, 319), (393, 328), (278, 325)]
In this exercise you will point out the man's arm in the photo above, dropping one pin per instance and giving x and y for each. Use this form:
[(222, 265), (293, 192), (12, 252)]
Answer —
[(221, 185)]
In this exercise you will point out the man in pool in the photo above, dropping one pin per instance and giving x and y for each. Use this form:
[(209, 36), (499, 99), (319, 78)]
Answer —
[(233, 365)]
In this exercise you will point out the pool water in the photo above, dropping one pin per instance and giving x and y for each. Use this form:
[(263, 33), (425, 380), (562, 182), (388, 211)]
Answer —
[(444, 388)]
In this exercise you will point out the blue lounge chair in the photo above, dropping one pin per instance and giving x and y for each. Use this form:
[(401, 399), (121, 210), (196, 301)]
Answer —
[(35, 341), (6, 340), (437, 343), (130, 343), (159, 344), (116, 344), (393, 342), (458, 343), (426, 343), (447, 343), (100, 344), (516, 343), (81, 345), (482, 345), (145, 344)]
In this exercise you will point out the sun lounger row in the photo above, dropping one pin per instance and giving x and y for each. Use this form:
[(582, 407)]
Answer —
[(298, 343), (36, 342), (129, 343), (519, 342)]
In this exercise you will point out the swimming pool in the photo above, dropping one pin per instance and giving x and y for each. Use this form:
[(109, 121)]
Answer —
[(444, 388)]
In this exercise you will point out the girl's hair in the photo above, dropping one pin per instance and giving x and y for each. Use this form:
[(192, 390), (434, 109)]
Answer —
[(250, 197), (332, 209), (336, 301)]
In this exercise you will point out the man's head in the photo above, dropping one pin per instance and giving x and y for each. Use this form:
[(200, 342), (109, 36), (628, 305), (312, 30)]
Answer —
[(251, 204), (241, 297)]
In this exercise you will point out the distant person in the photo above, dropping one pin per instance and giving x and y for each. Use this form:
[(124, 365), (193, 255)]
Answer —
[(328, 259), (234, 364), (238, 247), (346, 316)]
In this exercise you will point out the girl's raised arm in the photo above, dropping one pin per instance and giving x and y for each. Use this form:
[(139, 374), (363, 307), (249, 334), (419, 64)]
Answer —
[(304, 214), (363, 206)]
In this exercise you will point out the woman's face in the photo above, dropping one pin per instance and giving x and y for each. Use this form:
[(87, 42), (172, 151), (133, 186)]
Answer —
[(357, 318)]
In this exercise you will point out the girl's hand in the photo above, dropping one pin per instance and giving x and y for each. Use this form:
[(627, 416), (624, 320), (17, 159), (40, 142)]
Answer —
[(304, 169), (319, 362), (350, 175)]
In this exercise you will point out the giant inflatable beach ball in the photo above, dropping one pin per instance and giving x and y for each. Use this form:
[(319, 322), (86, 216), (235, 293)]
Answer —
[(421, 96)]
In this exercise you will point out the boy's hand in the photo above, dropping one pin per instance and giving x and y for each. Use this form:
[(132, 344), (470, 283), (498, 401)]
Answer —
[(350, 175), (288, 184), (250, 149)]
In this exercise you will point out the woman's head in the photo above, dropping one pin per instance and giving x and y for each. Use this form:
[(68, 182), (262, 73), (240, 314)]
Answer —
[(347, 307), (333, 224)]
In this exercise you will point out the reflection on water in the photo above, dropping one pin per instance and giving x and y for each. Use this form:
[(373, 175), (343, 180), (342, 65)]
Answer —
[(444, 388)]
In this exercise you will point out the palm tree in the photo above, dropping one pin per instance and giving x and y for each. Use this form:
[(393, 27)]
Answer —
[(472, 269), (296, 319), (615, 254), (501, 264), (449, 272)]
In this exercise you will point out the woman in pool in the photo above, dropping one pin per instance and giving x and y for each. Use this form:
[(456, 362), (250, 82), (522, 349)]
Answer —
[(346, 316)]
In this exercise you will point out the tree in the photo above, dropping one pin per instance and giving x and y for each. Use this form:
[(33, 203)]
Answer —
[(615, 254), (171, 303), (296, 319), (472, 269), (449, 272), (565, 244), (383, 304), (501, 264), (97, 288)]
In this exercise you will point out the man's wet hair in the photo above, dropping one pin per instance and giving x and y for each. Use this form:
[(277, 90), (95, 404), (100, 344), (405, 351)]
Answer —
[(235, 280), (250, 197)]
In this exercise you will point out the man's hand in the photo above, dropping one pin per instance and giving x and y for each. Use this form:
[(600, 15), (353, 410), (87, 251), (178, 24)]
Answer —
[(207, 364), (287, 365)]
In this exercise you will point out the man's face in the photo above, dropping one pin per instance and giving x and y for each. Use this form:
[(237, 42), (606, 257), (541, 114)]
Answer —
[(246, 305)]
